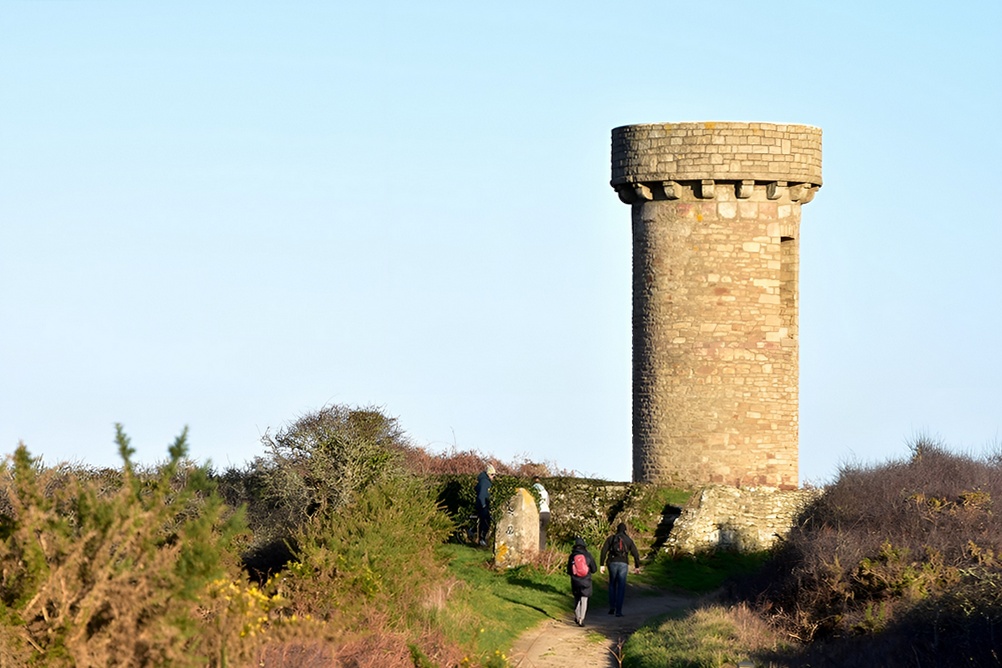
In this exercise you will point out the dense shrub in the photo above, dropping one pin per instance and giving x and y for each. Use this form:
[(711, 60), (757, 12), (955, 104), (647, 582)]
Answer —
[(138, 568), (316, 463), (321, 459), (348, 534), (362, 536), (906, 554), (376, 553)]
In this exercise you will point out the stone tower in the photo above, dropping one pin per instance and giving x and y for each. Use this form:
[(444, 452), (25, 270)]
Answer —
[(716, 223)]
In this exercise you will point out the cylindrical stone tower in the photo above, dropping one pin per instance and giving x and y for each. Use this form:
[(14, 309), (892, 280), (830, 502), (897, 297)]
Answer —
[(716, 223)]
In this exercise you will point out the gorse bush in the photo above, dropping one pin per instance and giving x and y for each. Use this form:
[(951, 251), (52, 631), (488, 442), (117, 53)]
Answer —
[(97, 574), (377, 552), (143, 567)]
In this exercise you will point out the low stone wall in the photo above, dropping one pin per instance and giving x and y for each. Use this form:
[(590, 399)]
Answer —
[(733, 518), (716, 517)]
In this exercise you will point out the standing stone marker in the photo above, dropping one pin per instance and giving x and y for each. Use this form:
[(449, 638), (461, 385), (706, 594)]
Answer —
[(516, 538)]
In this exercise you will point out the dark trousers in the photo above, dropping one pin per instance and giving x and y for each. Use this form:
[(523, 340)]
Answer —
[(617, 585), (483, 524), (544, 521)]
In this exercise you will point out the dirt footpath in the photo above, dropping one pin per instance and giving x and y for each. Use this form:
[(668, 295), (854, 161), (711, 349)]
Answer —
[(560, 643)]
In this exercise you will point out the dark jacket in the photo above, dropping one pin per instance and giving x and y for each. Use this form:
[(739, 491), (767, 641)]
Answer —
[(483, 491), (629, 547), (581, 586)]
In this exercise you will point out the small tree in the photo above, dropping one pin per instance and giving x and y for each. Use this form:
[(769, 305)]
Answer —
[(323, 458)]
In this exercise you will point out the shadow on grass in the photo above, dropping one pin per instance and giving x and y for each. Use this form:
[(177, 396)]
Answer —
[(542, 611), (544, 587)]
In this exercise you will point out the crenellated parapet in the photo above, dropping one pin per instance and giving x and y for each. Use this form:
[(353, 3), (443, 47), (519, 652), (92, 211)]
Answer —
[(699, 160)]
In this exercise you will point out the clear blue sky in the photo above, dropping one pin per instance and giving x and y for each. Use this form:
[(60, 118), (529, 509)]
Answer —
[(226, 214)]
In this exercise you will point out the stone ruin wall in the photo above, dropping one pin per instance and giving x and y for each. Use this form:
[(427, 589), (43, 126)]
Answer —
[(746, 520), (716, 223), (716, 517)]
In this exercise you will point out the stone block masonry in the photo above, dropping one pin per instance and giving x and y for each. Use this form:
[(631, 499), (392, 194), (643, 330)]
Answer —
[(743, 520), (716, 224)]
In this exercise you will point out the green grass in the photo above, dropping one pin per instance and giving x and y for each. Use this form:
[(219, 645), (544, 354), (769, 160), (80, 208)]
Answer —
[(666, 496), (491, 609), (701, 573), (652, 503), (702, 639)]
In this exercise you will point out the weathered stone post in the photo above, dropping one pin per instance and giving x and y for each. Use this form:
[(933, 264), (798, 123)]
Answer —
[(716, 223), (516, 538)]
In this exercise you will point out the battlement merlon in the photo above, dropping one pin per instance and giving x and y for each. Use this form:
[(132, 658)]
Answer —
[(656, 161)]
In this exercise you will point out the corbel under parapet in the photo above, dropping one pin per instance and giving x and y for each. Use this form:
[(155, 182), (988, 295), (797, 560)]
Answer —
[(798, 191), (642, 192), (810, 191), (673, 189), (774, 189), (743, 189), (631, 193)]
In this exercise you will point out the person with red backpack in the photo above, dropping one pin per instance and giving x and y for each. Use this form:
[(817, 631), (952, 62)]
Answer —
[(616, 551), (580, 566)]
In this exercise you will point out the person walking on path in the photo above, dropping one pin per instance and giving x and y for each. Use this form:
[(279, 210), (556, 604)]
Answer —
[(483, 503), (616, 551), (580, 566), (544, 511)]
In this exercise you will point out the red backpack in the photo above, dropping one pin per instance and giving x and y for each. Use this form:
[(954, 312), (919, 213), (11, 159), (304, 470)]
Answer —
[(579, 567)]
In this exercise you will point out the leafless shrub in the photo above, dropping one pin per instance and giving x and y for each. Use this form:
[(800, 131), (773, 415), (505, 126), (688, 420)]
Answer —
[(905, 554)]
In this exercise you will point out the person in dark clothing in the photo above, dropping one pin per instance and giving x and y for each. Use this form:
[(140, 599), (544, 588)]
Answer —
[(483, 503), (616, 551), (581, 584)]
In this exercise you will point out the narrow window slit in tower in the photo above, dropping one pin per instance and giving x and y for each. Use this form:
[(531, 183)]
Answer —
[(788, 267)]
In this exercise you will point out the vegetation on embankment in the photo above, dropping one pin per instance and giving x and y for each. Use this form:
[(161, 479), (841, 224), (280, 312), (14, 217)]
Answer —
[(898, 564), (331, 549), (323, 552), (335, 549)]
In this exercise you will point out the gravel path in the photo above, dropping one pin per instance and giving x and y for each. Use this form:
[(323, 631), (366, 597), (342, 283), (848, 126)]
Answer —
[(560, 643)]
